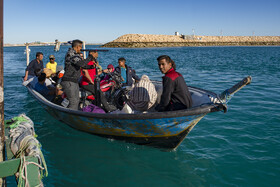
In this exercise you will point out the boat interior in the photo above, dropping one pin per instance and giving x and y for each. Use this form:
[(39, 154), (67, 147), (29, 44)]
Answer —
[(199, 96)]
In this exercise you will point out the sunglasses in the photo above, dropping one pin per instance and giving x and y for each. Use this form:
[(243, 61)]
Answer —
[(51, 58)]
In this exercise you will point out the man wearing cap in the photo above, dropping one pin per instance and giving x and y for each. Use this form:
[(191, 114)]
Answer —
[(52, 64), (35, 64)]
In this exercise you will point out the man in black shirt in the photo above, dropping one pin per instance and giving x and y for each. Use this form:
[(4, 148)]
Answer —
[(33, 65)]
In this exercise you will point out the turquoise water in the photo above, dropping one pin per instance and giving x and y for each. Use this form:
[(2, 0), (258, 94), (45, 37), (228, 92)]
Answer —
[(239, 148)]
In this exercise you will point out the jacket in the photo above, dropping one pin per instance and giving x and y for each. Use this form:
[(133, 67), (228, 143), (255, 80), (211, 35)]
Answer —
[(73, 63), (175, 94), (130, 73)]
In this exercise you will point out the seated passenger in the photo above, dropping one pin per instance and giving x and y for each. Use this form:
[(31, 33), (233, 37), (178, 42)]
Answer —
[(143, 96), (52, 64), (126, 72), (106, 75), (48, 81), (58, 75), (33, 65), (106, 82), (175, 93), (88, 83), (40, 86), (33, 80)]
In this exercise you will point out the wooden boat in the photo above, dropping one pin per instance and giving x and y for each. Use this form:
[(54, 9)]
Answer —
[(158, 129)]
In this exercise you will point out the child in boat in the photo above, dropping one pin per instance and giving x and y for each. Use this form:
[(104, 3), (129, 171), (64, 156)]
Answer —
[(175, 93)]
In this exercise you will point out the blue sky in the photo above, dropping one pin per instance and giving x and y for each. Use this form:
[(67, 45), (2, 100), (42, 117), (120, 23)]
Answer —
[(104, 20)]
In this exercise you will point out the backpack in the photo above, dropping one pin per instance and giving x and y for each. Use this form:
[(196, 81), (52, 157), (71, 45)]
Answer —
[(93, 109)]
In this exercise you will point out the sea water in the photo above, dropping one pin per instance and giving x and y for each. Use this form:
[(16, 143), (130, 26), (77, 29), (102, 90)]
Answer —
[(238, 148)]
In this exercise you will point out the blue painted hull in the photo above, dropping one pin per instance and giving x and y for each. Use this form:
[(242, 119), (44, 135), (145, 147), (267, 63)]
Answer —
[(164, 129)]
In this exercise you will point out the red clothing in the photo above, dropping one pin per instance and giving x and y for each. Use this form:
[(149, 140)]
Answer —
[(91, 72)]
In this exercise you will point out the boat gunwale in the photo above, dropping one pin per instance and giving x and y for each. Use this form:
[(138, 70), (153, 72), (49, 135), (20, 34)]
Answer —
[(208, 108)]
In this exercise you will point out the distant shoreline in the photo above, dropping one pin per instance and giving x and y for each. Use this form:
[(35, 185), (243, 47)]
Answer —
[(149, 40), (42, 44), (184, 44)]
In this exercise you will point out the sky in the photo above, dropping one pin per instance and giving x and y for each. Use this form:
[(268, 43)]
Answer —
[(101, 21)]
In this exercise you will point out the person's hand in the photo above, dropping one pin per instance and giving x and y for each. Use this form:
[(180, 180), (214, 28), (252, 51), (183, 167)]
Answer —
[(105, 70), (59, 91), (25, 78)]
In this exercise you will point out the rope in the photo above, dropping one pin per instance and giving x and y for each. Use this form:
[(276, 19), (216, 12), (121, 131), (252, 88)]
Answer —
[(29, 142), (226, 98), (23, 174), (24, 143)]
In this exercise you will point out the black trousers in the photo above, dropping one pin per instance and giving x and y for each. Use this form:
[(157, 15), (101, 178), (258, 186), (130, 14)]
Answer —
[(103, 100), (175, 106)]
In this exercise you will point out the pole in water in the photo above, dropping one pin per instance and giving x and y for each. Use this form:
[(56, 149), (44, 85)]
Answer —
[(84, 47), (56, 45), (27, 53), (2, 130)]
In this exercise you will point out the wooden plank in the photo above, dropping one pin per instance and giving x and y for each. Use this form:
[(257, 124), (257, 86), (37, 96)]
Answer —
[(10, 167), (33, 173)]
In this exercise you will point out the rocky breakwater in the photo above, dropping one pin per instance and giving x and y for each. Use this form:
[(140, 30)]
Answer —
[(150, 40)]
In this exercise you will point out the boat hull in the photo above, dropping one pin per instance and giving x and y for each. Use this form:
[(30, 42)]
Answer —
[(157, 129), (164, 132)]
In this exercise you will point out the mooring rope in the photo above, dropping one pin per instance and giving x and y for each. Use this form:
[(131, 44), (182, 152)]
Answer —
[(23, 174), (31, 142), (24, 144)]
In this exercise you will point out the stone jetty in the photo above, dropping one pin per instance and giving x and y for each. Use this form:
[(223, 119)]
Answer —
[(150, 40)]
